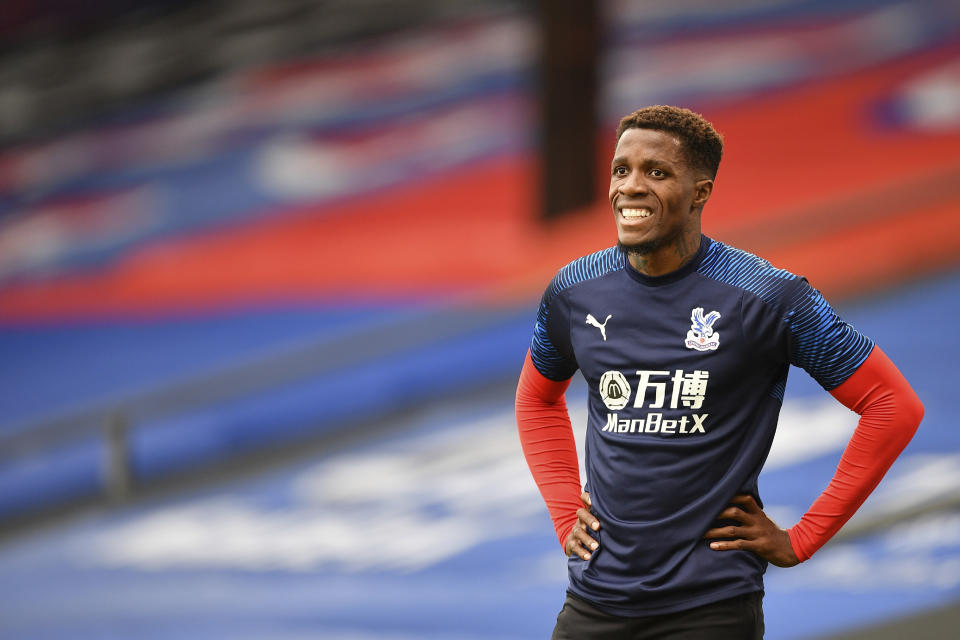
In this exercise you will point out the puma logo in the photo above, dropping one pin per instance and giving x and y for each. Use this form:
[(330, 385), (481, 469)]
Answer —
[(603, 327)]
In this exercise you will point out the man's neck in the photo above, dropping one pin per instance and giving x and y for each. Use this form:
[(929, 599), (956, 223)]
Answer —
[(667, 259)]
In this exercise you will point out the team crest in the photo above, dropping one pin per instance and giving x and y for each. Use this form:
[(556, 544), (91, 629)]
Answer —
[(701, 335)]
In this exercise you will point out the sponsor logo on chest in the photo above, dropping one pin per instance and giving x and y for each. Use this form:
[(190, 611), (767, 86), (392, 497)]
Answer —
[(686, 391)]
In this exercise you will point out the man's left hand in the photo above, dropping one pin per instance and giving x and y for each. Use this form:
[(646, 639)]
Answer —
[(756, 532)]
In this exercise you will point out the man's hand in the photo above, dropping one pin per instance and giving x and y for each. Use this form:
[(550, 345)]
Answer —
[(579, 541), (756, 533)]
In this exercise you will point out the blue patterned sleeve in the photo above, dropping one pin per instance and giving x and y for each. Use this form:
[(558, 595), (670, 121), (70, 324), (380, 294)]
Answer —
[(822, 343), (550, 348)]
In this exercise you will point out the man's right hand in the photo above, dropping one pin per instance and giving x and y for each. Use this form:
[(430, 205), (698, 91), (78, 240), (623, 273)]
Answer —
[(579, 541)]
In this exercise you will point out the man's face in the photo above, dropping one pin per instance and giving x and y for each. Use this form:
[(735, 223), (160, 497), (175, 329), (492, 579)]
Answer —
[(655, 193)]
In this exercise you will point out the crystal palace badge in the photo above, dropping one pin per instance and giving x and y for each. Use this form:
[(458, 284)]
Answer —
[(701, 335)]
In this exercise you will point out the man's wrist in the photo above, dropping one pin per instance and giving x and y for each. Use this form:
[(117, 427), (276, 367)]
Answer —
[(794, 538)]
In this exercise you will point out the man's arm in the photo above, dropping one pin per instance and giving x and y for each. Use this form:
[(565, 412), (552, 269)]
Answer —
[(546, 436), (890, 413)]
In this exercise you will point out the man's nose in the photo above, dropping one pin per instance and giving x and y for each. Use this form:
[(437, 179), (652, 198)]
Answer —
[(634, 184)]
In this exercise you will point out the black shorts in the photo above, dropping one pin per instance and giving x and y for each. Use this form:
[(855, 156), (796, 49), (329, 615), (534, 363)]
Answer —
[(737, 618)]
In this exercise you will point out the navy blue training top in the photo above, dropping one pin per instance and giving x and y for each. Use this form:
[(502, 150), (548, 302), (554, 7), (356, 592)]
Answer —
[(686, 374)]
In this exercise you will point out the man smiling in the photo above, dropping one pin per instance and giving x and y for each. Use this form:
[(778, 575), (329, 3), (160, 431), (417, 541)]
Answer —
[(668, 539)]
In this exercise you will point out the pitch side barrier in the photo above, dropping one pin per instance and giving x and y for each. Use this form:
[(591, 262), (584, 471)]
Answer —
[(110, 451)]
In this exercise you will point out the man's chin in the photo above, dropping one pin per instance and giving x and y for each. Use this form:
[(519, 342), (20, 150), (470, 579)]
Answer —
[(638, 248)]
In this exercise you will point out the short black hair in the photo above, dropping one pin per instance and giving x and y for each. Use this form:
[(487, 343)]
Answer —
[(701, 141)]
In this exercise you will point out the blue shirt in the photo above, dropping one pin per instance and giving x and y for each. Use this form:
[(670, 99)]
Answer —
[(686, 374)]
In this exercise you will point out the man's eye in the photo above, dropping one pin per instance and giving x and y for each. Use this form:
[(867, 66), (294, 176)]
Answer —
[(657, 173), (620, 171)]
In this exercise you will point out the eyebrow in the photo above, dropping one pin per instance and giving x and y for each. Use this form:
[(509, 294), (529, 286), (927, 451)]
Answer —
[(648, 161)]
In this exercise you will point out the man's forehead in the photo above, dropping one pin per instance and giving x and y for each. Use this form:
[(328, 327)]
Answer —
[(649, 141)]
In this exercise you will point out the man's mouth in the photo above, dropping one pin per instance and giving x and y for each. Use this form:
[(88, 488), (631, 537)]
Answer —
[(635, 213)]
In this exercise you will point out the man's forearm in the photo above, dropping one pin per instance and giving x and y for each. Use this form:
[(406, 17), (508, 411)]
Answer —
[(546, 436), (890, 413)]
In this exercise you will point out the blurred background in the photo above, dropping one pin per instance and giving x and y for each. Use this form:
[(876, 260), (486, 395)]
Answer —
[(268, 272)]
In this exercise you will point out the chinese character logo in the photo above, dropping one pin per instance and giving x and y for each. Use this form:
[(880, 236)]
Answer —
[(701, 335)]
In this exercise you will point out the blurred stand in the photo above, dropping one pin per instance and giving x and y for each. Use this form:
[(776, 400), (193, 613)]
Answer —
[(65, 64)]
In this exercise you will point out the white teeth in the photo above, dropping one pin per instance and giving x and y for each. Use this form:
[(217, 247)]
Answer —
[(635, 213)]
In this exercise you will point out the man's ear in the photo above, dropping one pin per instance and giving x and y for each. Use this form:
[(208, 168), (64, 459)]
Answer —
[(702, 192)]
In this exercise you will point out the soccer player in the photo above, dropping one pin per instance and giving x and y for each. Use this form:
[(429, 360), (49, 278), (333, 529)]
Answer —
[(685, 344)]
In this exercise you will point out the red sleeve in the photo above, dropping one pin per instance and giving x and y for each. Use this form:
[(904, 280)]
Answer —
[(890, 413), (546, 436)]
